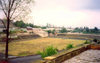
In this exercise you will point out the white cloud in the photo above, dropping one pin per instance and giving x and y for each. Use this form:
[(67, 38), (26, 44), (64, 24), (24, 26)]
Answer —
[(65, 13)]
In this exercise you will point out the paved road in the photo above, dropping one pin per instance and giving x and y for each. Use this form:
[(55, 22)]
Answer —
[(89, 56), (27, 59), (1, 56)]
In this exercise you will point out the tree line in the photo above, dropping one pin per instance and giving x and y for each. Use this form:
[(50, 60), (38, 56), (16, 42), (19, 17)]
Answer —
[(86, 30), (21, 24)]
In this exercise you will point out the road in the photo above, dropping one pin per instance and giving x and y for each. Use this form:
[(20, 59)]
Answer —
[(27, 59)]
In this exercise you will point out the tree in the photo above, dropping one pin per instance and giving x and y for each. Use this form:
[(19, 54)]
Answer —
[(63, 30), (53, 31), (21, 24), (96, 29), (87, 29), (49, 31), (31, 25), (13, 9), (44, 27)]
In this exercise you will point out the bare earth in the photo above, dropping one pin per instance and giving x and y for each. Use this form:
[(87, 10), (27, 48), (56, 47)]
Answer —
[(89, 56)]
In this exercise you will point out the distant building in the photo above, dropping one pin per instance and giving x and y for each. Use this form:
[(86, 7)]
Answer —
[(70, 29), (29, 29), (57, 29), (48, 29)]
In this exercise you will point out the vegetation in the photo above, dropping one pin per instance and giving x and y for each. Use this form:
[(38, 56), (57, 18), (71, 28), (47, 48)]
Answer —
[(12, 9), (18, 48), (12, 31), (50, 50), (69, 46), (21, 24), (44, 27), (63, 30), (87, 42), (95, 30), (51, 31)]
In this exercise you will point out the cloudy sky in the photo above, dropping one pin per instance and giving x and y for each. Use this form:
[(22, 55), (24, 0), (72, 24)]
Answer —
[(68, 13), (74, 13)]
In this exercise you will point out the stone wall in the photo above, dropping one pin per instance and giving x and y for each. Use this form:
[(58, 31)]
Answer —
[(95, 47), (60, 57)]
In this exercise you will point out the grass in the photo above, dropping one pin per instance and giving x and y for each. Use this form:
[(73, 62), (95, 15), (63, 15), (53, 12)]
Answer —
[(50, 50), (69, 46), (30, 47)]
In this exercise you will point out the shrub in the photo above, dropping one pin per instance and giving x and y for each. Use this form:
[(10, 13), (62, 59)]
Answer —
[(87, 42), (12, 31), (49, 31), (69, 46), (95, 40), (50, 50), (63, 30)]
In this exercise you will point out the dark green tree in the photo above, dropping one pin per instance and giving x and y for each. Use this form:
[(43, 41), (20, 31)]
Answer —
[(96, 29), (21, 24), (87, 29), (53, 32), (63, 30), (49, 31)]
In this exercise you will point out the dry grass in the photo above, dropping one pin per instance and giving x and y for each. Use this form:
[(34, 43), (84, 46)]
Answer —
[(30, 47)]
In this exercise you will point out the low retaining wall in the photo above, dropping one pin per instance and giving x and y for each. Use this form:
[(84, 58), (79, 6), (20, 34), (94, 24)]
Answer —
[(60, 57), (95, 47), (3, 39)]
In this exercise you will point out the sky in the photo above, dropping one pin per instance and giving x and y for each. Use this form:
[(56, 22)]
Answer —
[(68, 13)]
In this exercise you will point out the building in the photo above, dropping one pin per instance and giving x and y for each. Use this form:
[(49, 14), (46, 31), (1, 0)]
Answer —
[(57, 29)]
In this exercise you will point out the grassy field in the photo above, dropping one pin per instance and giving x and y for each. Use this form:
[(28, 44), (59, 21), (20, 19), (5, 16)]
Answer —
[(30, 47), (80, 36)]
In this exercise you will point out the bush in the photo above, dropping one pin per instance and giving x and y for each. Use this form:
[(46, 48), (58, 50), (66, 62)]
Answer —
[(49, 31), (87, 42), (12, 31), (63, 30), (69, 46), (50, 50)]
